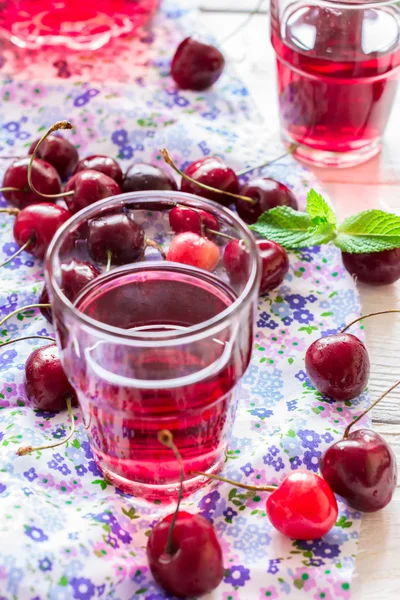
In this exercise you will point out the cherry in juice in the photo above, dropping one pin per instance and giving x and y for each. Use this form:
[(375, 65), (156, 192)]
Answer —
[(130, 392), (337, 74)]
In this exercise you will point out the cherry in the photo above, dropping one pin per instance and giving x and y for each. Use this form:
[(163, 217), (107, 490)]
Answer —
[(59, 152), (143, 176), (338, 366), (198, 221), (44, 176), (266, 194), (214, 173), (303, 507), (192, 249), (89, 187), (36, 225), (362, 469), (103, 164), (45, 310), (374, 268), (117, 236), (194, 567), (47, 386), (274, 263), (195, 65)]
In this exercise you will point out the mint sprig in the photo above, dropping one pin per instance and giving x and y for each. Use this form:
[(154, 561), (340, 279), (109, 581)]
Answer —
[(369, 231)]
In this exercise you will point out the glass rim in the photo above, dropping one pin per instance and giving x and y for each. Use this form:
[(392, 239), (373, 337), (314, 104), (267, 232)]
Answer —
[(172, 337), (354, 4)]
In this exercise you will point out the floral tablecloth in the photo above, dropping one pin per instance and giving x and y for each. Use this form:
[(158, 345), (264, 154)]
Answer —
[(65, 533)]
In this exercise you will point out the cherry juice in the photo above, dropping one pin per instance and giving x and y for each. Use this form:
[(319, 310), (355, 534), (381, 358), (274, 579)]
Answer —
[(337, 75), (130, 391)]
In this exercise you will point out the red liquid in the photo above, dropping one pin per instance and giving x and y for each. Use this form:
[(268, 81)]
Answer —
[(337, 74), (128, 394), (73, 23)]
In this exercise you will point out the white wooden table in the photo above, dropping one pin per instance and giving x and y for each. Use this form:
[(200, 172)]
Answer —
[(375, 184)]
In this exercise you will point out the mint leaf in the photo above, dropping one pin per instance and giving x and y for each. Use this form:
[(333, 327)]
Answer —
[(319, 210), (369, 231), (292, 229)]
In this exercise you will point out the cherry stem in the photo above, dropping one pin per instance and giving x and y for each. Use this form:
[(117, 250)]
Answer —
[(373, 314), (55, 127), (10, 211), (154, 244), (109, 258), (29, 449), (225, 235), (350, 425), (10, 189), (18, 310), (169, 161), (28, 337), (17, 253), (252, 488), (166, 438), (290, 150)]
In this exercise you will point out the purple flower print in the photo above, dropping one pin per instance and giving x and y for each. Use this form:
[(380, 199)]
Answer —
[(295, 463), (261, 412), (87, 449), (268, 459), (309, 439), (6, 359), (311, 460), (123, 535), (273, 567), (278, 464), (83, 588), (2, 488), (287, 321), (52, 464), (291, 405), (274, 450), (59, 433), (324, 550), (64, 469), (58, 457), (272, 325), (105, 517), (209, 502), (327, 437), (301, 376), (229, 514), (120, 137), (311, 298), (125, 152), (31, 475), (247, 469), (93, 468), (237, 575), (81, 470), (45, 564), (295, 301), (303, 316), (35, 534), (112, 541)]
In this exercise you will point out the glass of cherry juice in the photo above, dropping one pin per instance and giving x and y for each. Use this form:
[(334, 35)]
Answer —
[(152, 344), (338, 69)]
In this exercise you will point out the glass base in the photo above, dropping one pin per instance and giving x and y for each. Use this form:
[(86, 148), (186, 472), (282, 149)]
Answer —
[(341, 160), (164, 493)]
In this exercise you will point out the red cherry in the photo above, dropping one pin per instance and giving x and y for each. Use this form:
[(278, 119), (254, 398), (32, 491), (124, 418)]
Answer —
[(44, 177), (59, 152), (274, 263), (38, 223), (197, 221), (374, 268), (211, 171), (142, 176), (118, 234), (303, 507), (47, 386), (102, 164), (362, 469), (338, 366), (195, 568), (192, 249), (89, 187), (44, 299), (196, 66), (266, 194)]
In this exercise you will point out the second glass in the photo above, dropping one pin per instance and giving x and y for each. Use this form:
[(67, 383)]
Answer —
[(153, 344)]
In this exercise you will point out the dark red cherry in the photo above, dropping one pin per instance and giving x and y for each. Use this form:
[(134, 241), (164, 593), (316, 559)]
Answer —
[(118, 234), (44, 177), (89, 187), (47, 386), (303, 507), (196, 66), (75, 275), (266, 194), (374, 268), (192, 249), (338, 366), (362, 469), (44, 299), (142, 176), (39, 223), (195, 567), (274, 263), (59, 152), (198, 221), (211, 171), (102, 164)]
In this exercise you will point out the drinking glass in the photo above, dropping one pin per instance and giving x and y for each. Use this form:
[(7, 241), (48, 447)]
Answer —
[(154, 344), (338, 69), (71, 23)]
